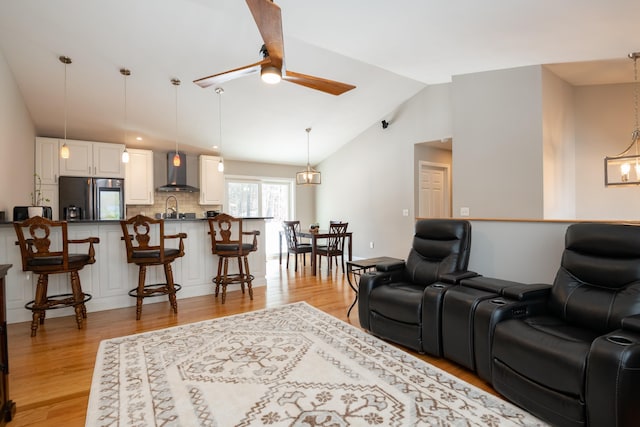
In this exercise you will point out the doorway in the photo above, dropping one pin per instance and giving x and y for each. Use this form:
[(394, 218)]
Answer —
[(262, 197), (434, 194)]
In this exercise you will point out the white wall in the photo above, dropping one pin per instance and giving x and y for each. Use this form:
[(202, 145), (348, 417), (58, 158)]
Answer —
[(604, 121), (527, 252), (369, 181), (497, 149), (558, 130), (17, 143)]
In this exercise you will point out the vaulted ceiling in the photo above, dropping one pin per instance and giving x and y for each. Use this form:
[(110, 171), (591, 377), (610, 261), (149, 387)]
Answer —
[(389, 50)]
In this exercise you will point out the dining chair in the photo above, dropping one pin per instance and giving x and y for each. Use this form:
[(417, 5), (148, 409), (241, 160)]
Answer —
[(294, 246), (334, 246)]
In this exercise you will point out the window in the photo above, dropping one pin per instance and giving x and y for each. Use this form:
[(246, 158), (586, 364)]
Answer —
[(258, 197), (242, 198)]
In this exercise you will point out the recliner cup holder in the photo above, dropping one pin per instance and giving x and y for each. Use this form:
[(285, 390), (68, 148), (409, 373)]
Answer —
[(498, 301), (437, 285), (616, 339)]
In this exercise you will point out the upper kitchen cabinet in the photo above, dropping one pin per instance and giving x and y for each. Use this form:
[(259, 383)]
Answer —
[(211, 181), (98, 159), (47, 163), (138, 178)]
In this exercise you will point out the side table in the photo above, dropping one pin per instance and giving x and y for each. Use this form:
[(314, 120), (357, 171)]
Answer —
[(358, 267)]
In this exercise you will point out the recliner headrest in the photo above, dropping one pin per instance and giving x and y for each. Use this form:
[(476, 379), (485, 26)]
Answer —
[(603, 255)]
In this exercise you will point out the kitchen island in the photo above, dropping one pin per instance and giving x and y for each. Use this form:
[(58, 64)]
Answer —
[(110, 278)]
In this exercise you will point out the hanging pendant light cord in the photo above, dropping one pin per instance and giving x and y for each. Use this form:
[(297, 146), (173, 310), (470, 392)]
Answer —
[(308, 164), (125, 73), (636, 131), (220, 91), (176, 122), (65, 101), (635, 135)]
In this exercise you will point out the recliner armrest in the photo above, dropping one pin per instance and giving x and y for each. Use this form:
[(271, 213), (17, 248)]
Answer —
[(390, 266), (631, 323), (527, 292), (489, 284), (368, 282), (455, 277)]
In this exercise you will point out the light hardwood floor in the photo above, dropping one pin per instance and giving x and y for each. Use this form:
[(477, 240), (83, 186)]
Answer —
[(50, 374)]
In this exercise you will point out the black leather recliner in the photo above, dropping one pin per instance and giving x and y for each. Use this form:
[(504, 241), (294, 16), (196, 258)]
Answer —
[(573, 358), (402, 302)]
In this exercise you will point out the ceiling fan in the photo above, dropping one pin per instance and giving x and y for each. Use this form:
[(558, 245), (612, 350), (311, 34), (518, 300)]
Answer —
[(269, 21)]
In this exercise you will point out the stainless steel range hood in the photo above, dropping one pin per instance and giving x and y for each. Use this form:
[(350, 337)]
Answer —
[(177, 176)]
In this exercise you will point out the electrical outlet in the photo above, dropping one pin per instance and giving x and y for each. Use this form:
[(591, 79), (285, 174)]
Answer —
[(464, 211), (405, 212), (371, 245)]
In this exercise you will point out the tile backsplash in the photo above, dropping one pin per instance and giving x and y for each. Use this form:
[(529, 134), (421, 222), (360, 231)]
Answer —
[(187, 203)]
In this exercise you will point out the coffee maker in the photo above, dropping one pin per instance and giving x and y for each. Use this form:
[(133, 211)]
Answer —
[(72, 213)]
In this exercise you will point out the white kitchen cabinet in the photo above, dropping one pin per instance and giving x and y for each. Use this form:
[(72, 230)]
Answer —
[(211, 181), (47, 160), (138, 178), (80, 161), (107, 160), (98, 159)]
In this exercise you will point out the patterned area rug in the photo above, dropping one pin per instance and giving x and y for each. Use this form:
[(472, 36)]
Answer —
[(288, 366)]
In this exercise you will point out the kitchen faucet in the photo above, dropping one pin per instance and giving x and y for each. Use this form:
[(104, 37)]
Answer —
[(174, 208)]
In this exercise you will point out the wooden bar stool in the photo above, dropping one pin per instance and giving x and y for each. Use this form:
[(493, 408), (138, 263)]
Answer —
[(137, 234), (44, 246), (227, 242)]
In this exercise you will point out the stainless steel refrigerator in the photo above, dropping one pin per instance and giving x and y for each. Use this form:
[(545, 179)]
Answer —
[(86, 198)]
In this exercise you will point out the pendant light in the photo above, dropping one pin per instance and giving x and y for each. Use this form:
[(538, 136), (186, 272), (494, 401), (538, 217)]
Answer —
[(309, 175), (176, 157), (617, 169), (64, 150), (125, 154), (220, 91)]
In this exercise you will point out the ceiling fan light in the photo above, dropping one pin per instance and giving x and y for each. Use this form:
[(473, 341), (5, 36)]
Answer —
[(270, 74)]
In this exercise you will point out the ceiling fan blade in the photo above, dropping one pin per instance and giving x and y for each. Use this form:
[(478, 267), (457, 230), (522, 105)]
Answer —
[(329, 86), (231, 74), (269, 21)]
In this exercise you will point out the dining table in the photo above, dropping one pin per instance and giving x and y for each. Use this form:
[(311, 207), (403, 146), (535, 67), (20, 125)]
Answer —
[(317, 236)]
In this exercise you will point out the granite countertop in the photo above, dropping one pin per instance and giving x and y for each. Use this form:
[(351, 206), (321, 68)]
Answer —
[(115, 221)]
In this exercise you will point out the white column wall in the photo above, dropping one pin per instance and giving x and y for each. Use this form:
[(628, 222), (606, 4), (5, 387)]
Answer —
[(497, 143)]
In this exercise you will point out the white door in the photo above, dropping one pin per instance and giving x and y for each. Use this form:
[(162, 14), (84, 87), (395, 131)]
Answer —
[(434, 195)]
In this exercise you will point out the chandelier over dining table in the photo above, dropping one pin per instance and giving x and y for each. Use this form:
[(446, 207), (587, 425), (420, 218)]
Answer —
[(624, 168), (309, 176)]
